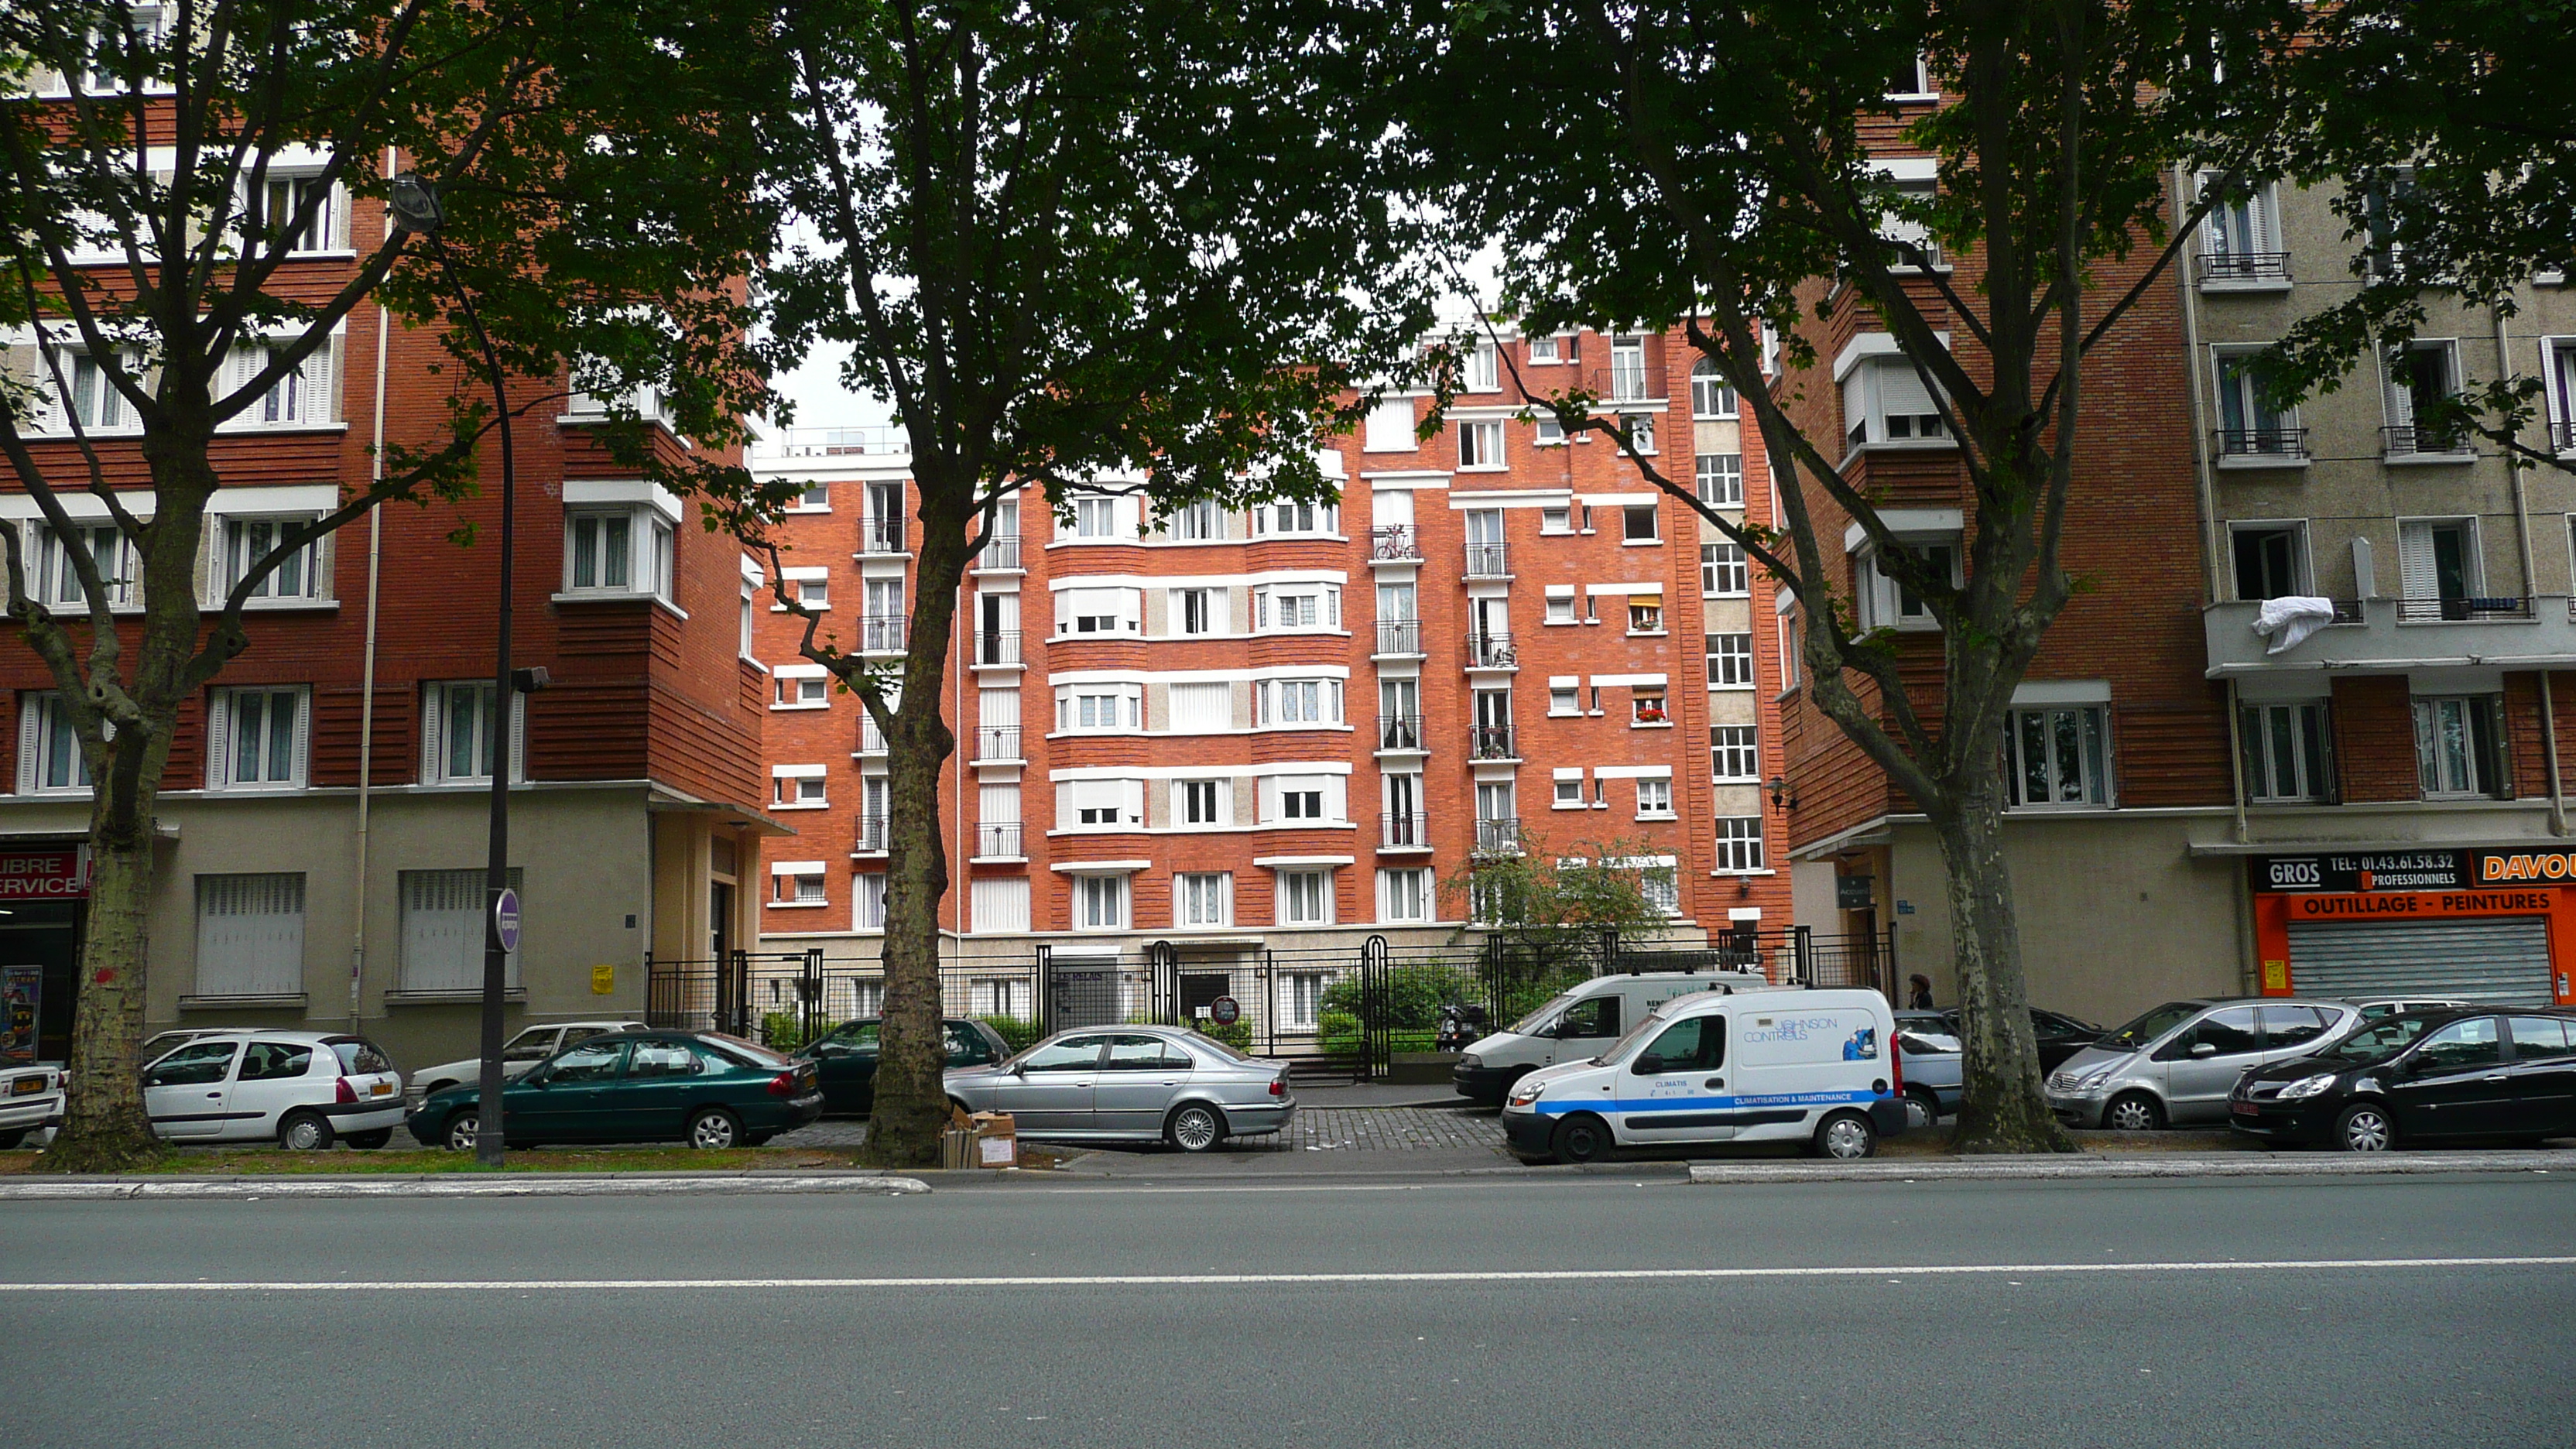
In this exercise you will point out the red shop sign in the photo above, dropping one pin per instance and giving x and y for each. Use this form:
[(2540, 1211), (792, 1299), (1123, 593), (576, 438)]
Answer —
[(43, 875)]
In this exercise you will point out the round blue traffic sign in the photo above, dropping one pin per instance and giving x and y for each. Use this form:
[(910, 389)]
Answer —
[(505, 916)]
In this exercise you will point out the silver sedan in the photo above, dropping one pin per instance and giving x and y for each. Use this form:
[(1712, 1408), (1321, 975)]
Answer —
[(1131, 1083)]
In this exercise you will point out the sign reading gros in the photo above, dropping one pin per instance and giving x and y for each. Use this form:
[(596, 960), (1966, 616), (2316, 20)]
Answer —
[(43, 875), (2410, 870)]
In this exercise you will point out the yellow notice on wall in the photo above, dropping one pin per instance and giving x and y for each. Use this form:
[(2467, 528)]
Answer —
[(2276, 975), (603, 980)]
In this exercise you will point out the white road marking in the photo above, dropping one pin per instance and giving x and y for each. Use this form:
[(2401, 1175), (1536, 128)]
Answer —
[(1193, 1280)]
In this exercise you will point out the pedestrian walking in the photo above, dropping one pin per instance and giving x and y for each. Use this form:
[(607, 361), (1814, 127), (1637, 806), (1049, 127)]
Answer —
[(1919, 996)]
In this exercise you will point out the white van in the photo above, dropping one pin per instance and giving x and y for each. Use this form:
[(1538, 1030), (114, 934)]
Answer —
[(1779, 1064), (1577, 1024)]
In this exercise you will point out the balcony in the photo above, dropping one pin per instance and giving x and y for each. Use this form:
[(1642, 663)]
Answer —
[(1404, 831), (997, 646), (2562, 436), (1492, 651), (1399, 638), (2394, 636), (871, 839), (2257, 446), (1001, 554), (1499, 837), (2222, 270), (1395, 543), (840, 442), (997, 743), (872, 741), (2426, 444), (1491, 742), (881, 533), (1487, 561), (998, 840), (1400, 732), (881, 633)]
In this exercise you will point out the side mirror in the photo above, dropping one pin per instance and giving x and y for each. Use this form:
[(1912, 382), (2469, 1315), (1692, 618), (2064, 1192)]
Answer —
[(2204, 1049), (1648, 1065)]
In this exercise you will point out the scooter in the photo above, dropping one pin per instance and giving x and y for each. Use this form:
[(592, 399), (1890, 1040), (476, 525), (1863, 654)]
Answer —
[(1460, 1025)]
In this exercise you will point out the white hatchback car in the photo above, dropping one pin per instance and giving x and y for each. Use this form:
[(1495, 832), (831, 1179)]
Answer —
[(31, 1100), (304, 1089)]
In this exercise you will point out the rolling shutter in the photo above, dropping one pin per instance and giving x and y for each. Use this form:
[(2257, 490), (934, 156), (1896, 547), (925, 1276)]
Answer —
[(2503, 960)]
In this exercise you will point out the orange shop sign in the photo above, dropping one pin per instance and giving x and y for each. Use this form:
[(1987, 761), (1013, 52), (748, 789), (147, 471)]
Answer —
[(2497, 866)]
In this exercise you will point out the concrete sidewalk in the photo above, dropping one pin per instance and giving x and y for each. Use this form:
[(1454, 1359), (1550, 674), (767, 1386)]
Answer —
[(2089, 1165)]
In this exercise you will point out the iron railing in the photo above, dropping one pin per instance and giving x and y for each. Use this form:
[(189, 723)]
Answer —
[(881, 533), (1402, 831), (997, 742), (1498, 836), (1487, 561), (997, 646), (1490, 742), (2421, 440), (872, 741), (2562, 435), (1002, 551), (1395, 541), (871, 839), (837, 442), (882, 633), (1492, 651), (2245, 266), (2423, 611), (1399, 637), (997, 839), (1399, 732), (2263, 442)]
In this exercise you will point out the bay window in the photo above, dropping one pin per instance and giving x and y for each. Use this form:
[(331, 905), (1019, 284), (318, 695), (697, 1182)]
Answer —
[(627, 550)]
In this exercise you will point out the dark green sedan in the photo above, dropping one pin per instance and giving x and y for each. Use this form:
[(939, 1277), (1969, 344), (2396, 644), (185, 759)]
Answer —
[(847, 1059), (662, 1086)]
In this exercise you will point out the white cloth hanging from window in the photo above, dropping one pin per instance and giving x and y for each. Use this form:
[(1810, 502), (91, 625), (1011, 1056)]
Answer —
[(2289, 620)]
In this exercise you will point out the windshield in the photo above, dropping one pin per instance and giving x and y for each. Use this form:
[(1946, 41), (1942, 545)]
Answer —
[(1652, 1021), (2150, 1026), (1210, 1044), (1548, 1008), (752, 1053), (2383, 1038)]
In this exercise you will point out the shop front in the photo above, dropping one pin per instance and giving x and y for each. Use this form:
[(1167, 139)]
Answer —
[(2480, 924), (44, 893)]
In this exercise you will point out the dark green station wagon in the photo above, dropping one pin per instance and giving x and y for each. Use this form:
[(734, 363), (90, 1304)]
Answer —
[(664, 1086)]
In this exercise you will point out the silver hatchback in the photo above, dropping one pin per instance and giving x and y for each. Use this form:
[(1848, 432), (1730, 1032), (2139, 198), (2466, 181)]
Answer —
[(2178, 1062), (1131, 1083)]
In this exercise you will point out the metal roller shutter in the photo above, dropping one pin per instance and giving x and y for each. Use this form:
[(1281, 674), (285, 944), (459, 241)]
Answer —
[(2503, 959)]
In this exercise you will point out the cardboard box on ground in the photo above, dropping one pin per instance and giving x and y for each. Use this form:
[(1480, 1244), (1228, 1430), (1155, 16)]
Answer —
[(986, 1139)]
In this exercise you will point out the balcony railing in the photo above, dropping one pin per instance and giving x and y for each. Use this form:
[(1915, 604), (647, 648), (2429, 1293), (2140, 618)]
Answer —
[(1399, 636), (2562, 435), (881, 633), (1002, 551), (1403, 832), (997, 742), (871, 739), (1498, 837), (2417, 440), (2263, 442), (881, 533), (997, 839), (872, 835), (835, 442), (1492, 651), (1395, 541), (1399, 732), (1486, 561), (997, 646), (2245, 266), (2426, 611), (1490, 742)]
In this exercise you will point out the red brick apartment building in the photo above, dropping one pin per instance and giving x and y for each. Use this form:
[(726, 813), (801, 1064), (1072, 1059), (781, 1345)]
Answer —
[(315, 870), (1292, 726), (2191, 809)]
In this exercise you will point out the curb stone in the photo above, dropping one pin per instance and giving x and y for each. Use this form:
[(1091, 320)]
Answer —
[(449, 1185), (2039, 1168)]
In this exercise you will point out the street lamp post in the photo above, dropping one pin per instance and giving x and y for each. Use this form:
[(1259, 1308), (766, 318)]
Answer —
[(416, 210)]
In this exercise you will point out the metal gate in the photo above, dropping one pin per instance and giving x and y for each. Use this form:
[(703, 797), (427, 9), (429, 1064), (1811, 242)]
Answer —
[(2502, 959)]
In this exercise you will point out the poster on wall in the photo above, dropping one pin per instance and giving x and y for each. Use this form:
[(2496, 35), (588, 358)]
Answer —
[(20, 990)]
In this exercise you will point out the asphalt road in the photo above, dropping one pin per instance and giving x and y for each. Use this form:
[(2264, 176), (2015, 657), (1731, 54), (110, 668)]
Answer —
[(1987, 1314)]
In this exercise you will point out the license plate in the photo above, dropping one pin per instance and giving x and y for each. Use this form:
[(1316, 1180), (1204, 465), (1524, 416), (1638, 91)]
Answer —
[(381, 1089), (2247, 1109), (27, 1086)]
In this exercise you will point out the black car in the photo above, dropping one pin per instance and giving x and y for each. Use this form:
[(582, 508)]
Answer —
[(2419, 1075), (847, 1059), (2059, 1036)]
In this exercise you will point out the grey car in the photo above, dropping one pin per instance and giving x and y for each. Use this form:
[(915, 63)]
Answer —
[(2178, 1062), (1930, 1055), (1131, 1083)]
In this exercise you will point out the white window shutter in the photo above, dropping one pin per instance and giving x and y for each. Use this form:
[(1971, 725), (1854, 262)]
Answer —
[(1266, 798), (432, 714), (1337, 797), (49, 397), (2416, 578), (1262, 694), (1337, 702), (518, 738), (303, 757), (318, 375), (1901, 389), (31, 725), (1332, 608), (1261, 608), (219, 736), (2401, 402)]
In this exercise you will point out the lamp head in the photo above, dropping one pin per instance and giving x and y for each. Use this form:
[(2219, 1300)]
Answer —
[(415, 206)]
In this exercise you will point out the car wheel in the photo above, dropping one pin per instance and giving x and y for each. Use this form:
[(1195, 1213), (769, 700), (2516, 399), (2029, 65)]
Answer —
[(1194, 1127), (9, 1140), (713, 1129), (1580, 1138), (2134, 1112), (370, 1141), (462, 1129), (304, 1132), (2365, 1127), (1922, 1107), (1846, 1135)]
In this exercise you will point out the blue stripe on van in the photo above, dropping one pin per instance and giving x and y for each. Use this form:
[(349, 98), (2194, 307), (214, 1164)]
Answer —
[(1701, 1104)]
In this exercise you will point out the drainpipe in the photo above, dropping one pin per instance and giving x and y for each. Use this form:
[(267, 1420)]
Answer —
[(367, 678), (2211, 526), (2531, 582), (2236, 758)]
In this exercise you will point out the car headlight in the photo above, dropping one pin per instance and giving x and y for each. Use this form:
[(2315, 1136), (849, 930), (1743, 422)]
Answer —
[(1471, 1061), (2095, 1077), (2305, 1087), (1526, 1093)]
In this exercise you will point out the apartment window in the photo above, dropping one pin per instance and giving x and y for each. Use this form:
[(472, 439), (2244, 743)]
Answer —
[(1200, 708), (1298, 608), (1294, 518), (1641, 523), (94, 403), (300, 394), (1647, 705), (628, 551), (1627, 369), (1730, 661), (1645, 616), (49, 754), (1568, 791), (1198, 802), (1102, 611), (1116, 709), (2059, 757), (1654, 799), (249, 540), (1105, 804), (2423, 379), (1100, 903), (1722, 573), (2438, 567), (1560, 608), (2248, 427), (57, 579), (1888, 603), (1787, 623), (1739, 843), (804, 693), (442, 928), (1564, 699), (868, 907), (2288, 751), (1301, 701), (1545, 349), (1547, 430), (1732, 754), (1911, 82), (799, 787), (2240, 239), (1720, 479), (881, 613), (2558, 367), (742, 622), (1203, 899), (1711, 396), (257, 738), (1484, 374), (1657, 884), (1301, 798), (2459, 746), (2381, 197), (250, 935), (1199, 522), (1389, 428), (1305, 898), (2270, 562), (1301, 997), (1641, 433), (458, 730), (817, 498), (799, 887), (1885, 401), (1480, 445), (1903, 223)]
